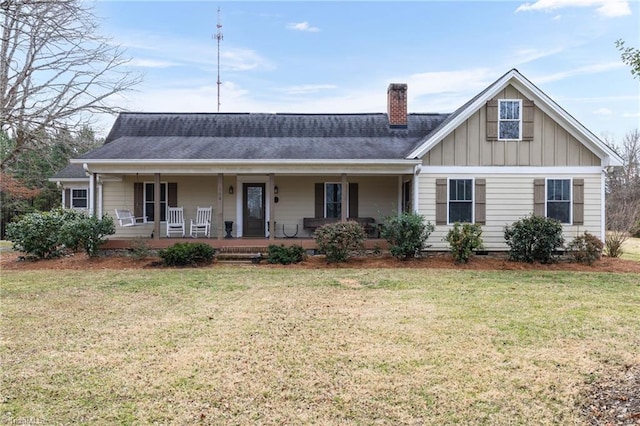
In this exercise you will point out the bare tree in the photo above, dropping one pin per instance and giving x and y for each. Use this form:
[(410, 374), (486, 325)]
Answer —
[(56, 71), (623, 194)]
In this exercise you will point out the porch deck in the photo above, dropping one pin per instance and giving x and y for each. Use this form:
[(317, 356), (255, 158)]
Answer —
[(253, 243)]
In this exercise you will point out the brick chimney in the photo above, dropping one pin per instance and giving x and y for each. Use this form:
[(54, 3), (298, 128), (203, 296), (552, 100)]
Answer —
[(397, 105)]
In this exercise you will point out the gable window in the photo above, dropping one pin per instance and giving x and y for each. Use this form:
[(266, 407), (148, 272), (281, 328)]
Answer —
[(149, 193), (333, 200), (509, 119), (79, 199), (460, 200), (559, 199)]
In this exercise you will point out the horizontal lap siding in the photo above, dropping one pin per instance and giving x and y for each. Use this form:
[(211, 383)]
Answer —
[(509, 198), (377, 196)]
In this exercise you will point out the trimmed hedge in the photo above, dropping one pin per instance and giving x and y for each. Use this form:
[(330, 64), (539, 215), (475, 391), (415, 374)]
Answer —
[(187, 254)]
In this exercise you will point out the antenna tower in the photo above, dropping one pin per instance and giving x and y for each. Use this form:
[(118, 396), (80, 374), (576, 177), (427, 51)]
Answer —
[(218, 36)]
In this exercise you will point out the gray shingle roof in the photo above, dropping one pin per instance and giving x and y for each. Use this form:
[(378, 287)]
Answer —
[(72, 171), (262, 136)]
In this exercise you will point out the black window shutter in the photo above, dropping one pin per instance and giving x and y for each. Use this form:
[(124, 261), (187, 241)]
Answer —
[(138, 199), (172, 194), (67, 198), (319, 200), (353, 200)]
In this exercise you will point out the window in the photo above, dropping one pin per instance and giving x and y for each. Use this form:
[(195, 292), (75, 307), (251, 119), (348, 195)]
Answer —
[(460, 200), (509, 119), (149, 201), (79, 199), (333, 200), (559, 199)]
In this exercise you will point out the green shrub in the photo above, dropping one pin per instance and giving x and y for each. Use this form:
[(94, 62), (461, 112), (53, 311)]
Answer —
[(187, 254), (534, 239), (36, 234), (86, 232), (463, 239), (585, 248), (47, 234), (339, 240), (406, 234), (285, 255)]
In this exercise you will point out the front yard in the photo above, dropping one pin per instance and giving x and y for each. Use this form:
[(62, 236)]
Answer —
[(243, 345)]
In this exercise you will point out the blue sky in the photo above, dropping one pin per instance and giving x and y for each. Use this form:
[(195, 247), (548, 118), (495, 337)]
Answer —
[(330, 56)]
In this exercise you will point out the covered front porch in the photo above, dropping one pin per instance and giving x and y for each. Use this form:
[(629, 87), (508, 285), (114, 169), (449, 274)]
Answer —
[(246, 207)]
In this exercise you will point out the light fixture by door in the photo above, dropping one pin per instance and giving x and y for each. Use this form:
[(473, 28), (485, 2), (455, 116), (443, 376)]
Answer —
[(231, 189), (275, 189)]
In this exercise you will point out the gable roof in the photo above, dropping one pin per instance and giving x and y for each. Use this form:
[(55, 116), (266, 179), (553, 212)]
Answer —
[(542, 101), (220, 136), (71, 172)]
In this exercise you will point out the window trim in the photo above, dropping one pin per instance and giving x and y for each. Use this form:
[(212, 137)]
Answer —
[(71, 197), (519, 120), (546, 198), (473, 198), (325, 198), (144, 199)]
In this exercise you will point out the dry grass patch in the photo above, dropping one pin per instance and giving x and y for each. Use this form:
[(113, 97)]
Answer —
[(338, 346)]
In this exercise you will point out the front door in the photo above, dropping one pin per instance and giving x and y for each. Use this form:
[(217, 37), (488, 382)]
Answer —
[(253, 209)]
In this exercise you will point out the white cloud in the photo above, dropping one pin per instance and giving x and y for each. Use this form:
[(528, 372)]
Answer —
[(184, 51), (308, 89), (302, 26), (524, 55), (588, 69), (603, 111), (151, 63), (606, 8)]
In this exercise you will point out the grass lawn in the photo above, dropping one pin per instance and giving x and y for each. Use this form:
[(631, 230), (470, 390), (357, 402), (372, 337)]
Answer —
[(242, 345), (631, 249)]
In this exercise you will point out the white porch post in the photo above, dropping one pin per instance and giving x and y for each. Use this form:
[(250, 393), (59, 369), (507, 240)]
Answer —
[(100, 198), (415, 188), (272, 226), (92, 194), (400, 189), (220, 213), (156, 206)]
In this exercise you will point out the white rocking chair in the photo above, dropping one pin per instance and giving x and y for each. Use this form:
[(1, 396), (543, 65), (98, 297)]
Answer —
[(175, 221), (202, 224), (126, 218)]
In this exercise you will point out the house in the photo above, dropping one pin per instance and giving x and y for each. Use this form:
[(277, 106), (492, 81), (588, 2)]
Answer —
[(507, 153)]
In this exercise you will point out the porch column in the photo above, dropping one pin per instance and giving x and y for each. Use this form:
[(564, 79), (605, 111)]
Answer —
[(400, 193), (99, 208), (220, 212), (272, 206), (92, 194), (156, 206), (345, 198), (415, 187)]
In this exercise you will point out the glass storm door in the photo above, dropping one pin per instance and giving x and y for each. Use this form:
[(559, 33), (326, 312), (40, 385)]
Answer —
[(253, 209)]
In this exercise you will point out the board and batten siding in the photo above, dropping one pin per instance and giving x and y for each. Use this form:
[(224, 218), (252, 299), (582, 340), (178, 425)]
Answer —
[(551, 146), (509, 198)]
